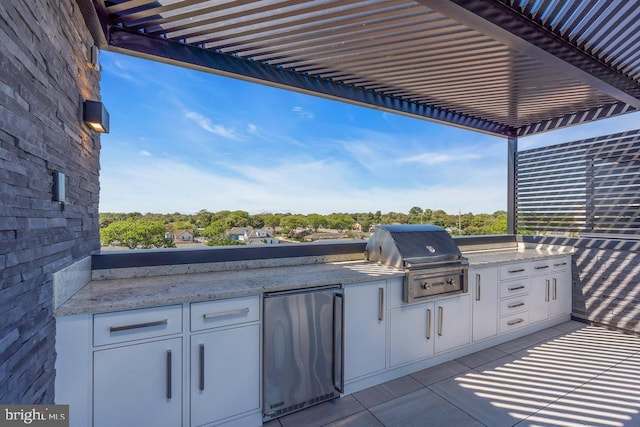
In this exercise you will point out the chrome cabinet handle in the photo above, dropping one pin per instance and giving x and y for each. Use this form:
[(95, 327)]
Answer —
[(113, 329), (515, 322), (519, 270), (541, 267), (555, 288), (518, 304), (515, 288), (201, 366), (440, 319), (546, 297), (229, 313), (168, 374), (560, 264), (428, 323), (338, 342), (380, 304), (477, 287)]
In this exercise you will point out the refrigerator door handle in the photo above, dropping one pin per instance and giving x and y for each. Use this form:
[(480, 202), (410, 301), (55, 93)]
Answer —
[(338, 341)]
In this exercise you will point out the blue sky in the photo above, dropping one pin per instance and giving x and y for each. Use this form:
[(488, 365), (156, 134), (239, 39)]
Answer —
[(183, 140)]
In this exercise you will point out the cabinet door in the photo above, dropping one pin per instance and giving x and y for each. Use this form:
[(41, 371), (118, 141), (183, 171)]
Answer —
[(365, 312), (411, 333), (539, 296), (225, 373), (138, 385), (483, 284), (560, 298), (453, 317)]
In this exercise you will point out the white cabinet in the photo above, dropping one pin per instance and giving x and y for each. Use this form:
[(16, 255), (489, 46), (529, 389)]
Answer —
[(539, 298), (551, 290), (452, 322), (225, 373), (365, 330), (225, 361), (138, 385), (483, 285), (411, 333), (420, 330), (139, 377), (514, 296)]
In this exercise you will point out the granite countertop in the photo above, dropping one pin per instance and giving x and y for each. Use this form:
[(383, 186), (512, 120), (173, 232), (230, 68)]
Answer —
[(123, 294), (486, 258), (128, 293)]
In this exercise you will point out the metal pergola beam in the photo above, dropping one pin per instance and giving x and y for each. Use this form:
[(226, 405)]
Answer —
[(163, 50), (502, 23)]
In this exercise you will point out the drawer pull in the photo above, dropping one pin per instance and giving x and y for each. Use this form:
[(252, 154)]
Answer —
[(380, 304), (547, 285), (555, 289), (517, 304), (113, 329), (515, 322), (440, 320), (515, 288), (477, 287), (428, 323), (201, 377), (518, 270), (560, 264), (229, 313), (541, 267), (169, 374)]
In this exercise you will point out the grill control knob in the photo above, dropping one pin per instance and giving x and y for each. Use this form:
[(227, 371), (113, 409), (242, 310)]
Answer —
[(425, 285), (451, 282)]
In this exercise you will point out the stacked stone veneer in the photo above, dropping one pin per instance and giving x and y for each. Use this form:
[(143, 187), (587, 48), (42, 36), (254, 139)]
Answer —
[(44, 76), (606, 281)]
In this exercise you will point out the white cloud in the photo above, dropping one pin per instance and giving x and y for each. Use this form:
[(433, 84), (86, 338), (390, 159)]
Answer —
[(433, 158), (144, 153), (207, 125), (301, 112), (300, 187)]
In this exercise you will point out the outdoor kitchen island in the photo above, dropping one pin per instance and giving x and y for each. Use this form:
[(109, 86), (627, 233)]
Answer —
[(184, 348)]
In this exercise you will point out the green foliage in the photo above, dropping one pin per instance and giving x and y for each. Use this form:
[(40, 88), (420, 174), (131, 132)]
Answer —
[(136, 234), (216, 224), (216, 234)]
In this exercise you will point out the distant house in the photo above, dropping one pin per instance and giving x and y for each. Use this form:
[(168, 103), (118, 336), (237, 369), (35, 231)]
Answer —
[(260, 236), (183, 236), (239, 233)]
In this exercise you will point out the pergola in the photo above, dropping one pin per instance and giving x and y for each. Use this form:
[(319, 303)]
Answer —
[(506, 68)]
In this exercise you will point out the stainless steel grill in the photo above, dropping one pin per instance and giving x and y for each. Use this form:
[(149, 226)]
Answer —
[(430, 258)]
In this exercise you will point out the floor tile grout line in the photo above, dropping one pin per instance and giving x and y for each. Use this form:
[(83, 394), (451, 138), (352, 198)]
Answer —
[(456, 406), (571, 391)]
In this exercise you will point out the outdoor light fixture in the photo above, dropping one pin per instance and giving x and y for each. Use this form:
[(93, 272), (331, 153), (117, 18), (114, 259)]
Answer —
[(96, 116), (59, 187)]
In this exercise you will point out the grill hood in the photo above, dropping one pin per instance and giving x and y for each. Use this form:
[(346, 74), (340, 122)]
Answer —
[(408, 246)]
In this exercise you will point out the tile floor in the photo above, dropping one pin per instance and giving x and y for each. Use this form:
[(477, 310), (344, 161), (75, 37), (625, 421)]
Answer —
[(569, 375)]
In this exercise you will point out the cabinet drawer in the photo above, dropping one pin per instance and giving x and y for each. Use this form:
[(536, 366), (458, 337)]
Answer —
[(130, 325), (542, 266), (560, 264), (513, 288), (514, 321), (513, 305), (513, 271), (213, 314)]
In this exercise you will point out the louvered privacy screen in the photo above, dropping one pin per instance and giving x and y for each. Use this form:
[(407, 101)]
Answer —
[(581, 187)]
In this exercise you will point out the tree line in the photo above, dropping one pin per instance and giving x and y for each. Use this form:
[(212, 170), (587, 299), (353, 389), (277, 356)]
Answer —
[(150, 228)]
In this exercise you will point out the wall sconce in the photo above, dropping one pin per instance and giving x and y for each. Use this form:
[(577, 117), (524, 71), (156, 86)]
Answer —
[(59, 187), (96, 116)]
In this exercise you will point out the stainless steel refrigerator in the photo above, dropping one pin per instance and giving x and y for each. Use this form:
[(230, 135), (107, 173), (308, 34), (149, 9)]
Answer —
[(302, 349)]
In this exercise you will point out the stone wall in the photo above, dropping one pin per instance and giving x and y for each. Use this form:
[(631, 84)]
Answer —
[(44, 76), (606, 281)]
